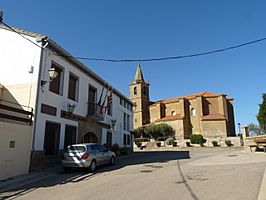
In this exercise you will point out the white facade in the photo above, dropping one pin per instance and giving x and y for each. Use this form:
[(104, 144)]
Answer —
[(24, 66)]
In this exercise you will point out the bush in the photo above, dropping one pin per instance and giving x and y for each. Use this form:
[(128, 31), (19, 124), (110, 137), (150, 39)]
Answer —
[(124, 150), (197, 139), (228, 143), (188, 144), (138, 143), (115, 148), (158, 144), (215, 143), (174, 143)]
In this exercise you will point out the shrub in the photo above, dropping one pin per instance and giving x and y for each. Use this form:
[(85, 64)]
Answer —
[(158, 144), (115, 148), (197, 139), (124, 150), (188, 144), (215, 143), (228, 143), (138, 143), (174, 143)]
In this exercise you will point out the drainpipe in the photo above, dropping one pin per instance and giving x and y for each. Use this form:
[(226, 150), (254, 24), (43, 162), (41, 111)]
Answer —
[(43, 43)]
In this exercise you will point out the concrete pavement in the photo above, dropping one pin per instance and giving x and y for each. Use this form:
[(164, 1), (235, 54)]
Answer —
[(211, 161)]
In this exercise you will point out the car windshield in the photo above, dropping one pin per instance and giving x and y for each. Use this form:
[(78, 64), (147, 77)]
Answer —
[(76, 149)]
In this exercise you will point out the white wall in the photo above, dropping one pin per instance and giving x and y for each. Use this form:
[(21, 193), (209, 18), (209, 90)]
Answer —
[(14, 161), (60, 102), (17, 55)]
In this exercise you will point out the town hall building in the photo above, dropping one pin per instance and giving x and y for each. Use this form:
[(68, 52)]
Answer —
[(205, 113)]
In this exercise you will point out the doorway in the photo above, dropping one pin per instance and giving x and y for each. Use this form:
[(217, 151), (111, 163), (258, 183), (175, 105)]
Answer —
[(51, 139)]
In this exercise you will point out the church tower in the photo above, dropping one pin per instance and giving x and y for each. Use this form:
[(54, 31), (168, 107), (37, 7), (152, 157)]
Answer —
[(139, 95)]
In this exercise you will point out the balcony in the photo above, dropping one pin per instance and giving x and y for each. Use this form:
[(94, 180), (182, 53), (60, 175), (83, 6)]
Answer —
[(95, 111), (13, 112)]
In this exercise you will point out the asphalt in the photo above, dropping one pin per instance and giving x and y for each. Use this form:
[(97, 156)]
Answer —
[(242, 157)]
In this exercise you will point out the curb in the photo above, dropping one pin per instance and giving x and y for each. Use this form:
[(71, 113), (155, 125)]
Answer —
[(24, 180), (262, 192)]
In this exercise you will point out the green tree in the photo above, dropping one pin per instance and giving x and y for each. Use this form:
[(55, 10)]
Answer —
[(262, 113), (254, 129), (159, 130), (139, 132)]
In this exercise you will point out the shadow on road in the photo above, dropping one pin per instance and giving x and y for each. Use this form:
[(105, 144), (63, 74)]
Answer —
[(61, 177)]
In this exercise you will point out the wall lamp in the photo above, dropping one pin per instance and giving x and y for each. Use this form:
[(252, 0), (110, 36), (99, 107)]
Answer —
[(52, 73), (113, 122)]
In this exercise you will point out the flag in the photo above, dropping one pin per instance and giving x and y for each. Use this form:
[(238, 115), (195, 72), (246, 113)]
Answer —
[(109, 100), (100, 99)]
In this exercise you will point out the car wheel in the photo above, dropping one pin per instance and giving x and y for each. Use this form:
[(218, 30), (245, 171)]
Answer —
[(93, 166), (112, 161)]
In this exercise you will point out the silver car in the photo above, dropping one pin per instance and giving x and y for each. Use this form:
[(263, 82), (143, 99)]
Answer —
[(88, 156)]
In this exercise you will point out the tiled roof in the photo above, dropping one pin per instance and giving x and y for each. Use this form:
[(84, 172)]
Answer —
[(203, 94), (170, 118), (32, 34), (213, 117)]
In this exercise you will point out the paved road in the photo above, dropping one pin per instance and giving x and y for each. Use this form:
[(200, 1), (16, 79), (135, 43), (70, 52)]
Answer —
[(159, 175)]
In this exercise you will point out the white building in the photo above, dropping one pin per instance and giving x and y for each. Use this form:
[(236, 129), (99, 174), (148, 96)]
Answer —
[(24, 71)]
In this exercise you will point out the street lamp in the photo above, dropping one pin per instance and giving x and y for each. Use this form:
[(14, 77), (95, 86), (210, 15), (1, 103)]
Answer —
[(52, 73)]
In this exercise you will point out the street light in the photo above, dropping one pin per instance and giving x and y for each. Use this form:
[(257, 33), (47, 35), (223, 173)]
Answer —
[(52, 73), (240, 135)]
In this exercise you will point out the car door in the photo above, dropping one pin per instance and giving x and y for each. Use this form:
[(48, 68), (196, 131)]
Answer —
[(97, 154), (105, 155)]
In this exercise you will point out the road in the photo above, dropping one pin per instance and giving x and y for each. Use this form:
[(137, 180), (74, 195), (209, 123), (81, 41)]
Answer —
[(186, 175)]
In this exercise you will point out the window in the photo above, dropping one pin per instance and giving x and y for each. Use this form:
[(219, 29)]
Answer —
[(127, 122), (121, 101), (173, 113), (124, 121), (91, 100), (125, 140), (135, 90), (128, 140), (109, 109), (144, 91), (56, 85), (193, 112), (73, 87)]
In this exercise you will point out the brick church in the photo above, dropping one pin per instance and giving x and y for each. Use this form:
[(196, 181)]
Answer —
[(205, 113)]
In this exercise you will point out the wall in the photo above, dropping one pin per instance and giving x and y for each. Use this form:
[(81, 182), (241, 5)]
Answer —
[(155, 112), (60, 101), (14, 161), (214, 128)]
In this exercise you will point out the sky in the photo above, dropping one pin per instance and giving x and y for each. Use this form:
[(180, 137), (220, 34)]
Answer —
[(123, 29)]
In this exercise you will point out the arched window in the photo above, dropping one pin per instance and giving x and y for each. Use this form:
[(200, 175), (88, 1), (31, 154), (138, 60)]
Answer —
[(135, 90), (193, 112), (173, 113)]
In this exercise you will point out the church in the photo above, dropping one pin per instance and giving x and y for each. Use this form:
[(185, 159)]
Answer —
[(205, 113)]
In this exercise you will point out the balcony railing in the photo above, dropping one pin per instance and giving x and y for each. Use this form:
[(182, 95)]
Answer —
[(95, 111), (10, 111)]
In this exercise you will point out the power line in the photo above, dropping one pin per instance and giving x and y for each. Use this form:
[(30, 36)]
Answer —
[(149, 59)]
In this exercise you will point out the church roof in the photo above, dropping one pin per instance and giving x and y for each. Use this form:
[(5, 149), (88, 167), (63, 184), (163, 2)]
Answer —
[(170, 118), (138, 76), (203, 94)]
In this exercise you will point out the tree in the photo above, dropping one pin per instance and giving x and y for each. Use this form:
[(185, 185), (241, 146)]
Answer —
[(262, 113), (139, 132), (159, 130), (254, 129)]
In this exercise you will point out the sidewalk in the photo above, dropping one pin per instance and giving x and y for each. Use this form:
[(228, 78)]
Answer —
[(26, 179)]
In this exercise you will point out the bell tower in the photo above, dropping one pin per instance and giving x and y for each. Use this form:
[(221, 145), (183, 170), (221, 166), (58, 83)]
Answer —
[(139, 95)]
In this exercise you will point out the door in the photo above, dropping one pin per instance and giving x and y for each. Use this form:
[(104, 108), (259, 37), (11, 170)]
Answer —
[(51, 139), (70, 135)]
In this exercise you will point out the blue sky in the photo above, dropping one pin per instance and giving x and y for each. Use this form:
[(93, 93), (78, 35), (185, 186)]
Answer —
[(121, 29)]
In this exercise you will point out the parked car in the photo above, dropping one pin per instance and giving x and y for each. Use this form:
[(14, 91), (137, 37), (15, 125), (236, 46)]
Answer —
[(88, 156)]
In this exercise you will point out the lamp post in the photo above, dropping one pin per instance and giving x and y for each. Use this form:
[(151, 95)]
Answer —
[(240, 135)]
